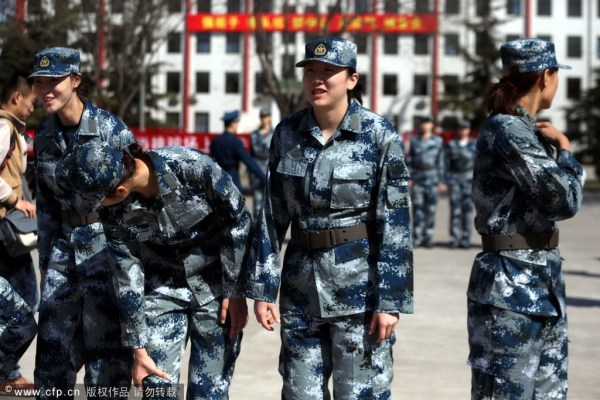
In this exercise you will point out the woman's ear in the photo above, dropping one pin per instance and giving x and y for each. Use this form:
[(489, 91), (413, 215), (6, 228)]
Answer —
[(122, 191)]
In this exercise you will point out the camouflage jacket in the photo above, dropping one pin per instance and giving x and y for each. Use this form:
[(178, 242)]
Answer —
[(521, 186), (358, 176), (459, 160), (54, 158), (425, 159), (197, 223)]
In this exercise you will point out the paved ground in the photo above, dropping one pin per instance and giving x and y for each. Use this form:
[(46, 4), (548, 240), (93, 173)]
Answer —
[(432, 343)]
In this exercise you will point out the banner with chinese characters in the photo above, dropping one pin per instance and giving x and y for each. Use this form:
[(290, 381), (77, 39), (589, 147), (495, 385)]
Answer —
[(364, 23)]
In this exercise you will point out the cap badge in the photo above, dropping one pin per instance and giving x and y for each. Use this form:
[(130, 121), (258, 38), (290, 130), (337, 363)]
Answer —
[(44, 62), (320, 50)]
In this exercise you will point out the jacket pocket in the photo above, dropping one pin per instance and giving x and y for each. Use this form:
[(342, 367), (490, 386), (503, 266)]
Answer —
[(351, 185)]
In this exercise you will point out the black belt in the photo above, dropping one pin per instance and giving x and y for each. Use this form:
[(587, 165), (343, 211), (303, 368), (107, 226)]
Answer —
[(76, 220), (329, 238), (516, 241)]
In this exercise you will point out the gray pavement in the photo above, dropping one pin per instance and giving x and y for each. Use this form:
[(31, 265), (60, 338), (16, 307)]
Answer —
[(431, 344)]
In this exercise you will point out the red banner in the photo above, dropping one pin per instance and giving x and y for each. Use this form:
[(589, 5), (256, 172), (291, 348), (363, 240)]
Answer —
[(154, 138), (381, 23)]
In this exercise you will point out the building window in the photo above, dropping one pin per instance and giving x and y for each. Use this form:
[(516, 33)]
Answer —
[(232, 82), (34, 7), (174, 42), (288, 38), (202, 42), (513, 7), (265, 6), (421, 44), (363, 83), (421, 85), (574, 8), (172, 119), (452, 7), (598, 47), (89, 6), (201, 122), (422, 7), (117, 6), (362, 6), (174, 6), (390, 85), (288, 65), (233, 43), (451, 44), (202, 82), (390, 6), (234, 6), (451, 85), (173, 82), (390, 44), (573, 126), (362, 44), (544, 7), (259, 83), (574, 46), (204, 6), (573, 88), (546, 38), (482, 7)]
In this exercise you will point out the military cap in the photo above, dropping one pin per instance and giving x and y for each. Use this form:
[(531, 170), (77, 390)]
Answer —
[(231, 116), (464, 123), (264, 112), (330, 50), (427, 118), (56, 62), (97, 169), (528, 55)]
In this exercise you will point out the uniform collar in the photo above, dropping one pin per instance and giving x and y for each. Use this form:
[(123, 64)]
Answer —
[(351, 123)]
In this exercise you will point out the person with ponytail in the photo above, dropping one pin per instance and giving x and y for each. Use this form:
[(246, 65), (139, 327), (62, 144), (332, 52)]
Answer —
[(177, 228), (525, 179)]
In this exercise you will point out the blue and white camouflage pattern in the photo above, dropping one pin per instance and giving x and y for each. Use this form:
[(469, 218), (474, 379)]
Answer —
[(520, 185), (358, 176), (425, 160), (177, 256), (459, 160), (330, 50), (259, 149), (56, 62), (528, 55), (78, 298), (17, 328)]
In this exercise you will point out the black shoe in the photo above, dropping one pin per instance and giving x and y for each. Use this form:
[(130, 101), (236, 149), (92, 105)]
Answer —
[(453, 245)]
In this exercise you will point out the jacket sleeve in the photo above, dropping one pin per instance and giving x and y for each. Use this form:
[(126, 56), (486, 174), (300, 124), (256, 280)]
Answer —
[(249, 161), (230, 205), (129, 283), (395, 254), (264, 266), (555, 185)]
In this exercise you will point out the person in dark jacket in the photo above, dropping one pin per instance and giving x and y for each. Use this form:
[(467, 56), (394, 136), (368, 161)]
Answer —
[(228, 151)]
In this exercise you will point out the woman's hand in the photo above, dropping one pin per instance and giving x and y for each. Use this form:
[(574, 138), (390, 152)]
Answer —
[(266, 314), (143, 366), (383, 324), (238, 313), (554, 136)]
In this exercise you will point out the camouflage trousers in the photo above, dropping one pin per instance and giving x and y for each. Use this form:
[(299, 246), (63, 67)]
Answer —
[(170, 322), (17, 329), (79, 326), (424, 202), (461, 211), (315, 349), (516, 356)]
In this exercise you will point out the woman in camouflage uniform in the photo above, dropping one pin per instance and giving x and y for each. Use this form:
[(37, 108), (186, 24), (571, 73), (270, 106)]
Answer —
[(525, 178), (77, 323), (337, 176), (178, 228)]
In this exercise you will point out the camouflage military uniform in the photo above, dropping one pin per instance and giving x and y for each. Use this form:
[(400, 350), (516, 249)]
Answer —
[(329, 295), (425, 160), (459, 178), (178, 255), (17, 328), (259, 149), (77, 323), (516, 298)]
